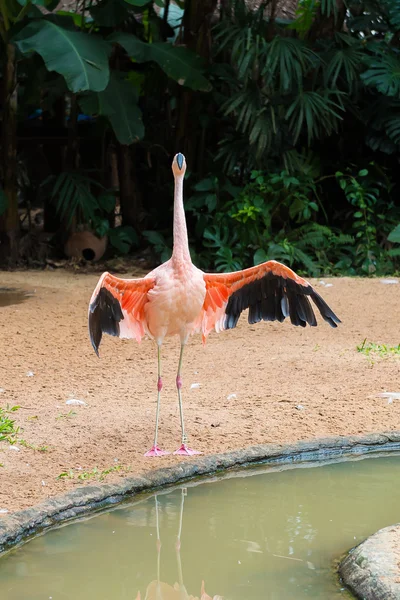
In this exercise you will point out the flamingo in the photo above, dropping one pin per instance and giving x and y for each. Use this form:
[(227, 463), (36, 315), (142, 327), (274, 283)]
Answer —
[(157, 589), (179, 299)]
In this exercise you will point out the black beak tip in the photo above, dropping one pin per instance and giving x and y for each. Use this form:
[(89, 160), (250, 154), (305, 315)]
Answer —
[(179, 159)]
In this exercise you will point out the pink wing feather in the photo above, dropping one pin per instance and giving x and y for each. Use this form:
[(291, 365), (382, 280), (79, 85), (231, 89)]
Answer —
[(117, 308)]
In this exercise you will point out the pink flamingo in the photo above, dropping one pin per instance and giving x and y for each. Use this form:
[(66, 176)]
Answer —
[(177, 298), (157, 589)]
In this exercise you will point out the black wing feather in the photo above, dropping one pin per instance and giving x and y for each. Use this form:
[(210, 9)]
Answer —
[(105, 314), (273, 298)]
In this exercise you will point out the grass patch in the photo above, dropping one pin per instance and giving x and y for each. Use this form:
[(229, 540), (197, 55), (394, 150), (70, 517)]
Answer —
[(67, 415), (66, 475), (381, 350), (32, 446), (93, 474), (8, 429)]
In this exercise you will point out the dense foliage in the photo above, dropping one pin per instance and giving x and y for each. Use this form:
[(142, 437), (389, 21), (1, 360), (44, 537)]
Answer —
[(290, 126)]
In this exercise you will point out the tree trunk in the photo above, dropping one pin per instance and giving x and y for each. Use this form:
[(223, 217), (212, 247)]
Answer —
[(9, 221), (71, 164), (72, 152), (129, 193), (197, 25), (55, 160)]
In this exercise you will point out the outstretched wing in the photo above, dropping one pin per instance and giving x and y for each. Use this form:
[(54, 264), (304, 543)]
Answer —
[(117, 308), (270, 291)]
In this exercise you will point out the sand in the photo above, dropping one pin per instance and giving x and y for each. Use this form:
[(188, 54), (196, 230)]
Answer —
[(263, 383)]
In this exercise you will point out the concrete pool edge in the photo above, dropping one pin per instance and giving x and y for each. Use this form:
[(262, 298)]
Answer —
[(371, 569), (83, 501)]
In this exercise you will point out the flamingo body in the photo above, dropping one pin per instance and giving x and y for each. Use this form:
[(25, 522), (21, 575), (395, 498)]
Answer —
[(179, 299), (175, 301)]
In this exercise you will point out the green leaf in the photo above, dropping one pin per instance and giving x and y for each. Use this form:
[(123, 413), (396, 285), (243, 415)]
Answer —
[(135, 47), (180, 64), (101, 226), (166, 254), (204, 185), (260, 256), (77, 18), (82, 59), (363, 172), (125, 115), (211, 202), (383, 73), (118, 102), (106, 202), (122, 238), (154, 237), (394, 236)]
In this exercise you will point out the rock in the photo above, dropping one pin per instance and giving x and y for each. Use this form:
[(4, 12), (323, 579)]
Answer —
[(371, 570), (75, 402)]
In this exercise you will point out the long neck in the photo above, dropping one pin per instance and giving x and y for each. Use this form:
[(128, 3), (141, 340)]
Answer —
[(181, 244)]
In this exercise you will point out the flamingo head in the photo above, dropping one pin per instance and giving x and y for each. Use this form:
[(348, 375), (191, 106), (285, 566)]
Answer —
[(179, 164)]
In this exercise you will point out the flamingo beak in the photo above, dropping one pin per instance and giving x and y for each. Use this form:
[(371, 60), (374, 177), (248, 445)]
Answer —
[(179, 159)]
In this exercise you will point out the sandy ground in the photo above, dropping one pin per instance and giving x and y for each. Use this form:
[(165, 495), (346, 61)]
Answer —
[(252, 381)]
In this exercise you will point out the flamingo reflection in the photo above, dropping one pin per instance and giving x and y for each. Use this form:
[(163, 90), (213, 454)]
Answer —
[(159, 590)]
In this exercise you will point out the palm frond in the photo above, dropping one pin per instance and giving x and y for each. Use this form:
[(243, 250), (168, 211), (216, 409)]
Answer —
[(72, 196), (344, 64), (286, 61), (315, 112)]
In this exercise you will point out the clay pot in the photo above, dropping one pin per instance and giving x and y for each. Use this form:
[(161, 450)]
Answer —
[(84, 244)]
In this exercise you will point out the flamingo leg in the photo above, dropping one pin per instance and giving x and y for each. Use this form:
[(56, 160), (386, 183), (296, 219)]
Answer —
[(178, 541), (183, 448), (158, 543), (155, 450)]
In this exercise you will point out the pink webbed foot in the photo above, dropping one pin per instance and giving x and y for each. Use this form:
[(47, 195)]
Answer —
[(156, 451), (186, 451)]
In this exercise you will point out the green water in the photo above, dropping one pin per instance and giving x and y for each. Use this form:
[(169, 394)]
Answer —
[(264, 534)]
